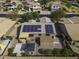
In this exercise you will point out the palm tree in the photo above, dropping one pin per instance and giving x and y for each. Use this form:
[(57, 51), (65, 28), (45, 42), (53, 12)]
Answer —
[(19, 6), (13, 14)]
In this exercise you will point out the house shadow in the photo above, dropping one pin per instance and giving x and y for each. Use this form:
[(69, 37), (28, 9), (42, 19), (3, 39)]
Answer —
[(62, 34), (18, 33), (62, 30)]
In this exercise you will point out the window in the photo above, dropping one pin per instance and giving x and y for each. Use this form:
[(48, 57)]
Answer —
[(52, 36), (47, 34), (53, 6), (31, 52), (39, 34), (37, 40), (31, 35), (35, 6)]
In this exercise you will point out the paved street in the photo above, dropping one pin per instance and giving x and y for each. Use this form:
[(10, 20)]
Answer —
[(71, 20), (75, 20), (66, 21), (41, 58)]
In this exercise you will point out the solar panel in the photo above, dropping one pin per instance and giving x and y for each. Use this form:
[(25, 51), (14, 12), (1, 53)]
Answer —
[(31, 28), (48, 29), (23, 47), (28, 47)]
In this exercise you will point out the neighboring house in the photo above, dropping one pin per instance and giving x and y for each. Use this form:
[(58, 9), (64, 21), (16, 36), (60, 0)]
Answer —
[(55, 6), (35, 7), (32, 5)]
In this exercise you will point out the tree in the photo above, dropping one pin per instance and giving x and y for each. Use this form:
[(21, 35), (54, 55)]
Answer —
[(48, 52), (68, 5), (64, 1), (35, 15), (37, 20), (19, 6), (45, 51), (13, 14), (41, 51), (57, 52), (57, 15), (67, 52), (26, 17), (77, 1), (10, 50)]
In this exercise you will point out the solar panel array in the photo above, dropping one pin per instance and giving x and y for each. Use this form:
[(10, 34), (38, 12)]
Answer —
[(28, 47), (37, 28), (48, 29), (31, 28)]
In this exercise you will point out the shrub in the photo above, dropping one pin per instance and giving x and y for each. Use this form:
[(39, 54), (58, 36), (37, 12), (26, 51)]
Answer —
[(10, 50)]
